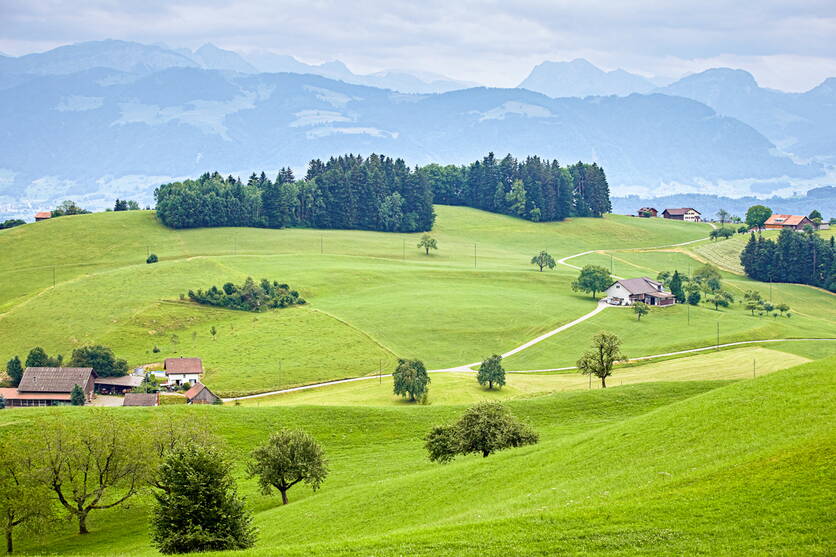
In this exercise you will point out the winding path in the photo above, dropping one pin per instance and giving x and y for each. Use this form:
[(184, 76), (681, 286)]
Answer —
[(466, 368)]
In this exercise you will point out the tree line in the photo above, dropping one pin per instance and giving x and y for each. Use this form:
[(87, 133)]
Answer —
[(533, 189), (798, 257), (346, 192)]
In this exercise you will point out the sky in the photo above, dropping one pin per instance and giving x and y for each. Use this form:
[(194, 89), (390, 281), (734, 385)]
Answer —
[(787, 45)]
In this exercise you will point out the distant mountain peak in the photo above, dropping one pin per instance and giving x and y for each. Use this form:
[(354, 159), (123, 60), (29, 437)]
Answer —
[(582, 78)]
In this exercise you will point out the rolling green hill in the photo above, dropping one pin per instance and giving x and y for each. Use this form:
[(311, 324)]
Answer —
[(684, 467), (373, 296)]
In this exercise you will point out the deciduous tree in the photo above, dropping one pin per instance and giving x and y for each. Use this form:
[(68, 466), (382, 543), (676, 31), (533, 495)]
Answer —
[(592, 279), (101, 359), (543, 260), (411, 378), (756, 215), (290, 456), (25, 499), (605, 353), (491, 371), (427, 242), (640, 309)]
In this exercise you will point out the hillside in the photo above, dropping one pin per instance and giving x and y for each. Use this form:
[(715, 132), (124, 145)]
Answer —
[(370, 294), (666, 467)]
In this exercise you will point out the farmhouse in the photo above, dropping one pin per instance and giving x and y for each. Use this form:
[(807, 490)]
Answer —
[(141, 399), (179, 371), (117, 385), (626, 292), (793, 222), (648, 212), (200, 394), (43, 215), (50, 386), (684, 213)]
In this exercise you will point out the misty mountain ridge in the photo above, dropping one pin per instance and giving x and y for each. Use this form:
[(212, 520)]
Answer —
[(581, 78)]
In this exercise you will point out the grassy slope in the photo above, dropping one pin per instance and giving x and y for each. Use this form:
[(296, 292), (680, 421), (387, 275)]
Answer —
[(379, 304), (462, 388), (655, 468)]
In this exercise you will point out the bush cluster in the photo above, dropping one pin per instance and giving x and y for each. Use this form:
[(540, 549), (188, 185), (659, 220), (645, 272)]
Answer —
[(249, 296)]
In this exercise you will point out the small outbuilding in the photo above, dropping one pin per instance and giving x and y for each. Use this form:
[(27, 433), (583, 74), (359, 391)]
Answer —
[(43, 215), (117, 385), (648, 212), (141, 399), (200, 394), (626, 292)]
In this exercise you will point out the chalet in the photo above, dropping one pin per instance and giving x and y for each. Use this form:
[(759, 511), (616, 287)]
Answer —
[(50, 386), (684, 213), (200, 394), (43, 215), (179, 371), (648, 212), (792, 222), (626, 292), (117, 385), (141, 399)]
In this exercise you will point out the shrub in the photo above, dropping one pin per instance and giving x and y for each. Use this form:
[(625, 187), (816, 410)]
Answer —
[(248, 296), (152, 258)]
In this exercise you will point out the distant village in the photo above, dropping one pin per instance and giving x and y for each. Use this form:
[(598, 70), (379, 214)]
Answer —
[(774, 222)]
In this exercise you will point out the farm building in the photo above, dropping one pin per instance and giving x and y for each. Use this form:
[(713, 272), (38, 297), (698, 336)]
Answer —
[(626, 292), (648, 212), (43, 215), (141, 399), (117, 385), (50, 386), (200, 394), (686, 214), (793, 222), (179, 371)]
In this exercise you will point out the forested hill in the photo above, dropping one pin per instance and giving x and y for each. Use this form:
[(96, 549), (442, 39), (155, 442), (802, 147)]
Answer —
[(381, 193)]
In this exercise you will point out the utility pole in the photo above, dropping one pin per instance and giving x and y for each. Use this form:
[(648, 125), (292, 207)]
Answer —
[(404, 249), (610, 263), (753, 368), (474, 256), (718, 335), (53, 277), (689, 312), (590, 381), (380, 372), (321, 244)]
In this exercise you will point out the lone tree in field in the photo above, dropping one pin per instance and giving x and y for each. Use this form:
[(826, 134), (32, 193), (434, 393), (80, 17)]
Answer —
[(640, 309), (199, 508), (25, 501), (427, 242), (606, 352), (290, 456), (14, 369), (411, 379), (485, 428), (96, 464), (592, 279), (719, 298), (491, 371), (543, 260)]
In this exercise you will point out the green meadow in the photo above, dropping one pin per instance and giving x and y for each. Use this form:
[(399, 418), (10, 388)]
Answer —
[(373, 296), (682, 467)]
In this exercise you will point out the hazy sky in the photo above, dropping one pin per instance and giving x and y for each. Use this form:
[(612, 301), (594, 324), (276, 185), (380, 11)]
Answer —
[(788, 45)]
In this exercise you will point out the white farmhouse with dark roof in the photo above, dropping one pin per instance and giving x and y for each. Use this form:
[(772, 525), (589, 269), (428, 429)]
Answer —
[(626, 292), (183, 370)]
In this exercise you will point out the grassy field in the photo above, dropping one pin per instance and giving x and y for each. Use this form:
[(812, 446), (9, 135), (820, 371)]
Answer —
[(684, 467), (373, 296), (462, 388)]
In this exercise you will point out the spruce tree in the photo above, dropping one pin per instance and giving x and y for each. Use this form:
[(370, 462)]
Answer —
[(676, 287), (14, 370), (198, 507)]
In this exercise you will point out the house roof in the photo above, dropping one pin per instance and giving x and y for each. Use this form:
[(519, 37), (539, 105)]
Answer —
[(141, 399), (43, 215), (681, 211), (183, 365), (123, 381), (785, 220), (10, 393), (54, 379), (642, 285), (195, 390), (647, 209)]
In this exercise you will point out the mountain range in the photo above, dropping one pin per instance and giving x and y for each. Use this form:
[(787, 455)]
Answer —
[(95, 121)]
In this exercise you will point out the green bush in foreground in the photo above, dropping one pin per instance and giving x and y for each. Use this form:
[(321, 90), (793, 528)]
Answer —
[(485, 428), (199, 508)]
